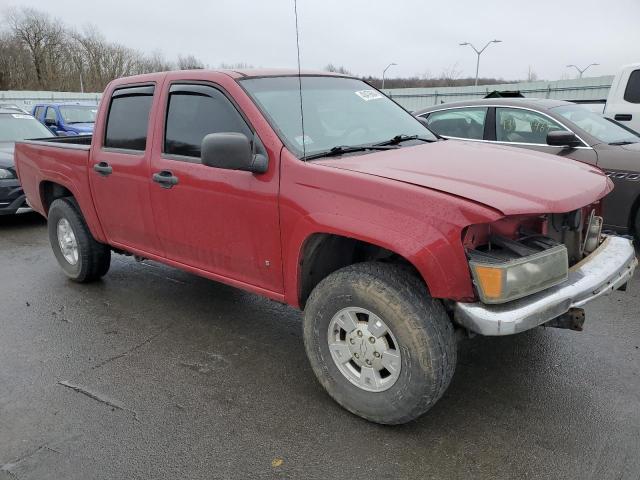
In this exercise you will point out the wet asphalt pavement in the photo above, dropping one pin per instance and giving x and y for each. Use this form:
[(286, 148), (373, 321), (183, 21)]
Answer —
[(172, 376)]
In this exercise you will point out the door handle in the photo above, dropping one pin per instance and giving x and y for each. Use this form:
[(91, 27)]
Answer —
[(103, 168), (165, 178), (623, 117)]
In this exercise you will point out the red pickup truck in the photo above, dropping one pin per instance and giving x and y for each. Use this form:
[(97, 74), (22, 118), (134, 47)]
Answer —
[(319, 191)]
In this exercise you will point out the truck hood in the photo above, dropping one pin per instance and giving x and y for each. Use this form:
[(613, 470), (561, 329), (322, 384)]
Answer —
[(6, 154), (511, 180)]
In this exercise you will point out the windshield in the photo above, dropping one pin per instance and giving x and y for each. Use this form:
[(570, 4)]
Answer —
[(602, 128), (78, 114), (337, 112), (20, 126)]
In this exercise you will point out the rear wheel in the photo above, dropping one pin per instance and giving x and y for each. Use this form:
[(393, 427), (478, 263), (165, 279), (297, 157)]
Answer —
[(82, 258), (379, 345)]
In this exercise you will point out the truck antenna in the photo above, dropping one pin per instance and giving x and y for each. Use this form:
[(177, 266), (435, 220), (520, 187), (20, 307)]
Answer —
[(295, 11)]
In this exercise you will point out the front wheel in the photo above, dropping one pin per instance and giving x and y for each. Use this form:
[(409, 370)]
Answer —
[(82, 257), (379, 345)]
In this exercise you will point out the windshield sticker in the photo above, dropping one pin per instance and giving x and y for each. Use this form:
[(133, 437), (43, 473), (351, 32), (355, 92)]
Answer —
[(367, 95), (21, 115), (307, 140)]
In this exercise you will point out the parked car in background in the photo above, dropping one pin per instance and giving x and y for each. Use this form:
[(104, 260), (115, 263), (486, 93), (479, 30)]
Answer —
[(559, 128), (623, 101), (65, 119), (392, 241), (14, 126)]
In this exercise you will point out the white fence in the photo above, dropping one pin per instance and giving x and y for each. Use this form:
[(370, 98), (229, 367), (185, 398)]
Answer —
[(27, 99), (584, 90)]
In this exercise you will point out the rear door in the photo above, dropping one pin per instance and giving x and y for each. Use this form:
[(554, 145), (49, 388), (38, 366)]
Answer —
[(224, 222), (119, 170)]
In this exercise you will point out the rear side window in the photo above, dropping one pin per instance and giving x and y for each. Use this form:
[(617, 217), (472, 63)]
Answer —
[(194, 111), (459, 122), (129, 118), (632, 92), (38, 112)]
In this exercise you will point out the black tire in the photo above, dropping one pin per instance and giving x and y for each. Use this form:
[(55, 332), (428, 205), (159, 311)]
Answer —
[(420, 324), (94, 258)]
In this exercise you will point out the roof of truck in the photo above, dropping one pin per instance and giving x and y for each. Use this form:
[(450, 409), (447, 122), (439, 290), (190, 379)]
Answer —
[(235, 74), (276, 72)]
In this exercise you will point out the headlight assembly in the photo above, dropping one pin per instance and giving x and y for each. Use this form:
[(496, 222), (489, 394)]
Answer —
[(500, 282)]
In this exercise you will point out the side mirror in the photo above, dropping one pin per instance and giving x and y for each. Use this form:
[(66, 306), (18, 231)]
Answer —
[(49, 122), (423, 121), (562, 138), (231, 151)]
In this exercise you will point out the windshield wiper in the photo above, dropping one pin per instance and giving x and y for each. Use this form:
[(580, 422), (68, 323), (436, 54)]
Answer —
[(402, 138), (624, 142), (340, 149)]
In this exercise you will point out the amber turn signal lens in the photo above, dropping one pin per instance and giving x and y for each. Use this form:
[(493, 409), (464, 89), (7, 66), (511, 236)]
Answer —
[(490, 280)]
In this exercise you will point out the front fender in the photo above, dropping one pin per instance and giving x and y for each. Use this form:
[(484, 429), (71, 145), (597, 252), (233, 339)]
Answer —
[(437, 255)]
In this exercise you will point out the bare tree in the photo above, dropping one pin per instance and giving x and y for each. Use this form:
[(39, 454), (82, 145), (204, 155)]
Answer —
[(450, 75), (189, 62), (40, 52), (235, 66), (332, 68), (41, 36)]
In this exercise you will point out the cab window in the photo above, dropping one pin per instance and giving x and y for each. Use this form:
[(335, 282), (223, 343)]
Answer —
[(195, 111), (632, 92), (459, 122), (50, 117), (128, 118), (524, 126)]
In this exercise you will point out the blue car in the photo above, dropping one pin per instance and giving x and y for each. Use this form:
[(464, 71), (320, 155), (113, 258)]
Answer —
[(64, 119)]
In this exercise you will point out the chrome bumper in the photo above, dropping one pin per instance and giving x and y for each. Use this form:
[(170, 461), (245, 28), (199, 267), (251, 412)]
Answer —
[(609, 267)]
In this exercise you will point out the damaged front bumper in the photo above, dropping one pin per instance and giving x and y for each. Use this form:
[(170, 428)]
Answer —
[(608, 268)]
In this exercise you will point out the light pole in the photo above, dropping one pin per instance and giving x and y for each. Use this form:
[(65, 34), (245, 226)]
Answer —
[(479, 52), (582, 70), (385, 71)]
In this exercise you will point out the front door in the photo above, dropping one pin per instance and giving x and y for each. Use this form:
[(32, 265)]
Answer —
[(224, 222), (119, 171), (519, 127)]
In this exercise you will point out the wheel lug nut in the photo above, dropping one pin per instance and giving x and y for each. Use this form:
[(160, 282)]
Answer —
[(372, 340), (368, 362), (356, 355), (359, 333), (376, 354), (352, 341)]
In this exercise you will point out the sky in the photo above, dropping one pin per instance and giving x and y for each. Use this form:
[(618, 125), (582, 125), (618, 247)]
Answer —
[(421, 37)]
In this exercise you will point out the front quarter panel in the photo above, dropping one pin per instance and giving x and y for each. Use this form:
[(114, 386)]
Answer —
[(421, 225)]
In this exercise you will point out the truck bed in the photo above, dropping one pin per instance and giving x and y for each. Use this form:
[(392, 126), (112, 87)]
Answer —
[(53, 163)]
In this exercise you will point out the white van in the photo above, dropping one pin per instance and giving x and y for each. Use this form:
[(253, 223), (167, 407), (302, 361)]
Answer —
[(623, 102)]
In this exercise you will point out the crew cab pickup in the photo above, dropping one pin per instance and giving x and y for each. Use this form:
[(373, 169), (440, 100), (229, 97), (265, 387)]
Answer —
[(623, 101), (318, 191)]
